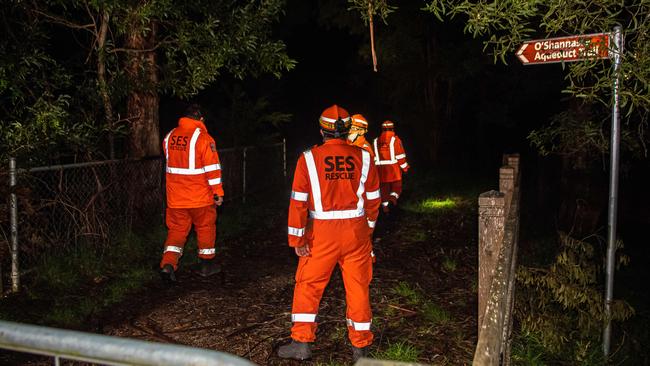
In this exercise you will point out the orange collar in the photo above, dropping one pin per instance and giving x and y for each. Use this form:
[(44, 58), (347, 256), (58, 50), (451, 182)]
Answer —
[(190, 123), (335, 142)]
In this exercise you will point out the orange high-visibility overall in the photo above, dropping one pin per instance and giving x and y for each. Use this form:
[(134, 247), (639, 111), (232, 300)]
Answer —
[(333, 209), (361, 142), (390, 159), (193, 177)]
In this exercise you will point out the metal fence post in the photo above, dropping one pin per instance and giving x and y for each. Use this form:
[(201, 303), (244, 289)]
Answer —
[(13, 208), (284, 158), (243, 193), (491, 228)]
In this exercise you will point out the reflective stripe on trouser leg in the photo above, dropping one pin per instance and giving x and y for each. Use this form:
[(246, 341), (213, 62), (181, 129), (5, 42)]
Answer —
[(356, 268), (396, 188), (179, 223), (312, 276), (204, 219)]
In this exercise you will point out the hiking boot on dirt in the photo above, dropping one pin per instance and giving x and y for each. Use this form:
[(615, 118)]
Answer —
[(295, 350), (209, 267), (357, 353), (167, 273)]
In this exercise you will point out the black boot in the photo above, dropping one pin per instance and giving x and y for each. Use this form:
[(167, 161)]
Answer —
[(167, 273), (295, 350), (209, 267), (357, 353)]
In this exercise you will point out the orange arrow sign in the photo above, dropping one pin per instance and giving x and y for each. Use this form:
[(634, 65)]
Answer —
[(565, 49)]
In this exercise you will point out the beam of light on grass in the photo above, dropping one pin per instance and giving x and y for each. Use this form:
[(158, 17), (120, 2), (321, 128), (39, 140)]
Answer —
[(435, 204)]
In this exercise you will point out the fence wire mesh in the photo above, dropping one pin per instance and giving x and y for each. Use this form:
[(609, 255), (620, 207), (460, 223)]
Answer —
[(62, 207)]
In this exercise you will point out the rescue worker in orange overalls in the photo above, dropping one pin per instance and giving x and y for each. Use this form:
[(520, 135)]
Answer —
[(357, 133), (332, 213), (193, 179), (390, 159)]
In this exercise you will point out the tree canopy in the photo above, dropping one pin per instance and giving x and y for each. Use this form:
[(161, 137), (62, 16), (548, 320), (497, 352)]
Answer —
[(83, 70)]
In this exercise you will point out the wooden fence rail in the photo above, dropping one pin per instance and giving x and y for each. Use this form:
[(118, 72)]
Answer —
[(498, 238)]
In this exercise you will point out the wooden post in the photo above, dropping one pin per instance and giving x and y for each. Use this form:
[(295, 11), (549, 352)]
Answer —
[(513, 161), (507, 185), (491, 225)]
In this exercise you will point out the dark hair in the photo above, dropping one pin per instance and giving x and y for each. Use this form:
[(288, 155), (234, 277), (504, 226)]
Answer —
[(194, 112)]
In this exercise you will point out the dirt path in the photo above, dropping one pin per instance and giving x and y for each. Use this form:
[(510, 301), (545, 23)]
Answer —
[(423, 295)]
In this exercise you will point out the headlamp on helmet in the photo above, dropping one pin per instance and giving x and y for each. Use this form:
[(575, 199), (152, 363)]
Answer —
[(388, 126), (335, 122)]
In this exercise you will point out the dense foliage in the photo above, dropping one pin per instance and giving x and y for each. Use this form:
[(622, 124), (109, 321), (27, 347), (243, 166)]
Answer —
[(73, 73), (567, 291)]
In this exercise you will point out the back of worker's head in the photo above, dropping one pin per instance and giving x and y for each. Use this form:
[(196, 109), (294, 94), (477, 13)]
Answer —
[(388, 126), (334, 122), (194, 111)]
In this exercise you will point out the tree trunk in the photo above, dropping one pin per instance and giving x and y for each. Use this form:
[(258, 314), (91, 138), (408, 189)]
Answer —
[(431, 98), (142, 101), (101, 78)]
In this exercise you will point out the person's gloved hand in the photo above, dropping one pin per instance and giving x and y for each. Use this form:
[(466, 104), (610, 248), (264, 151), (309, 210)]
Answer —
[(406, 169), (302, 251), (218, 200)]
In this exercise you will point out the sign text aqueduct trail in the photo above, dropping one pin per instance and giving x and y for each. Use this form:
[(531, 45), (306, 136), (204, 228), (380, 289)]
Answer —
[(565, 49)]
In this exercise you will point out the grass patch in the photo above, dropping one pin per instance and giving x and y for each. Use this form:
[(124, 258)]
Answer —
[(401, 351), (430, 205), (69, 287), (449, 265), (435, 314), (408, 293)]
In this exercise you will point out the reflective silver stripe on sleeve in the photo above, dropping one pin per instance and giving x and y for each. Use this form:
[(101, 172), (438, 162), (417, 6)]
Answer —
[(404, 165), (299, 196), (212, 167), (313, 180), (372, 195), (376, 151), (394, 194), (175, 249), (296, 231), (384, 203), (207, 251), (371, 224), (359, 325), (400, 156), (214, 182), (192, 156), (304, 318)]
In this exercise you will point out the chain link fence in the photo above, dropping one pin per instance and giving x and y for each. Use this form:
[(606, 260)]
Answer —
[(61, 207)]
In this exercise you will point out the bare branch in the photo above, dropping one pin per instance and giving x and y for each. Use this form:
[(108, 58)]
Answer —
[(66, 23)]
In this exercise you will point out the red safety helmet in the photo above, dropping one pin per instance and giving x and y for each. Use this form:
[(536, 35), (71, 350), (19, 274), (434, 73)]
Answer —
[(388, 125), (359, 122), (335, 121)]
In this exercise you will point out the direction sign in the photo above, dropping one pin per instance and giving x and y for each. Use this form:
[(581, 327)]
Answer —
[(565, 49)]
